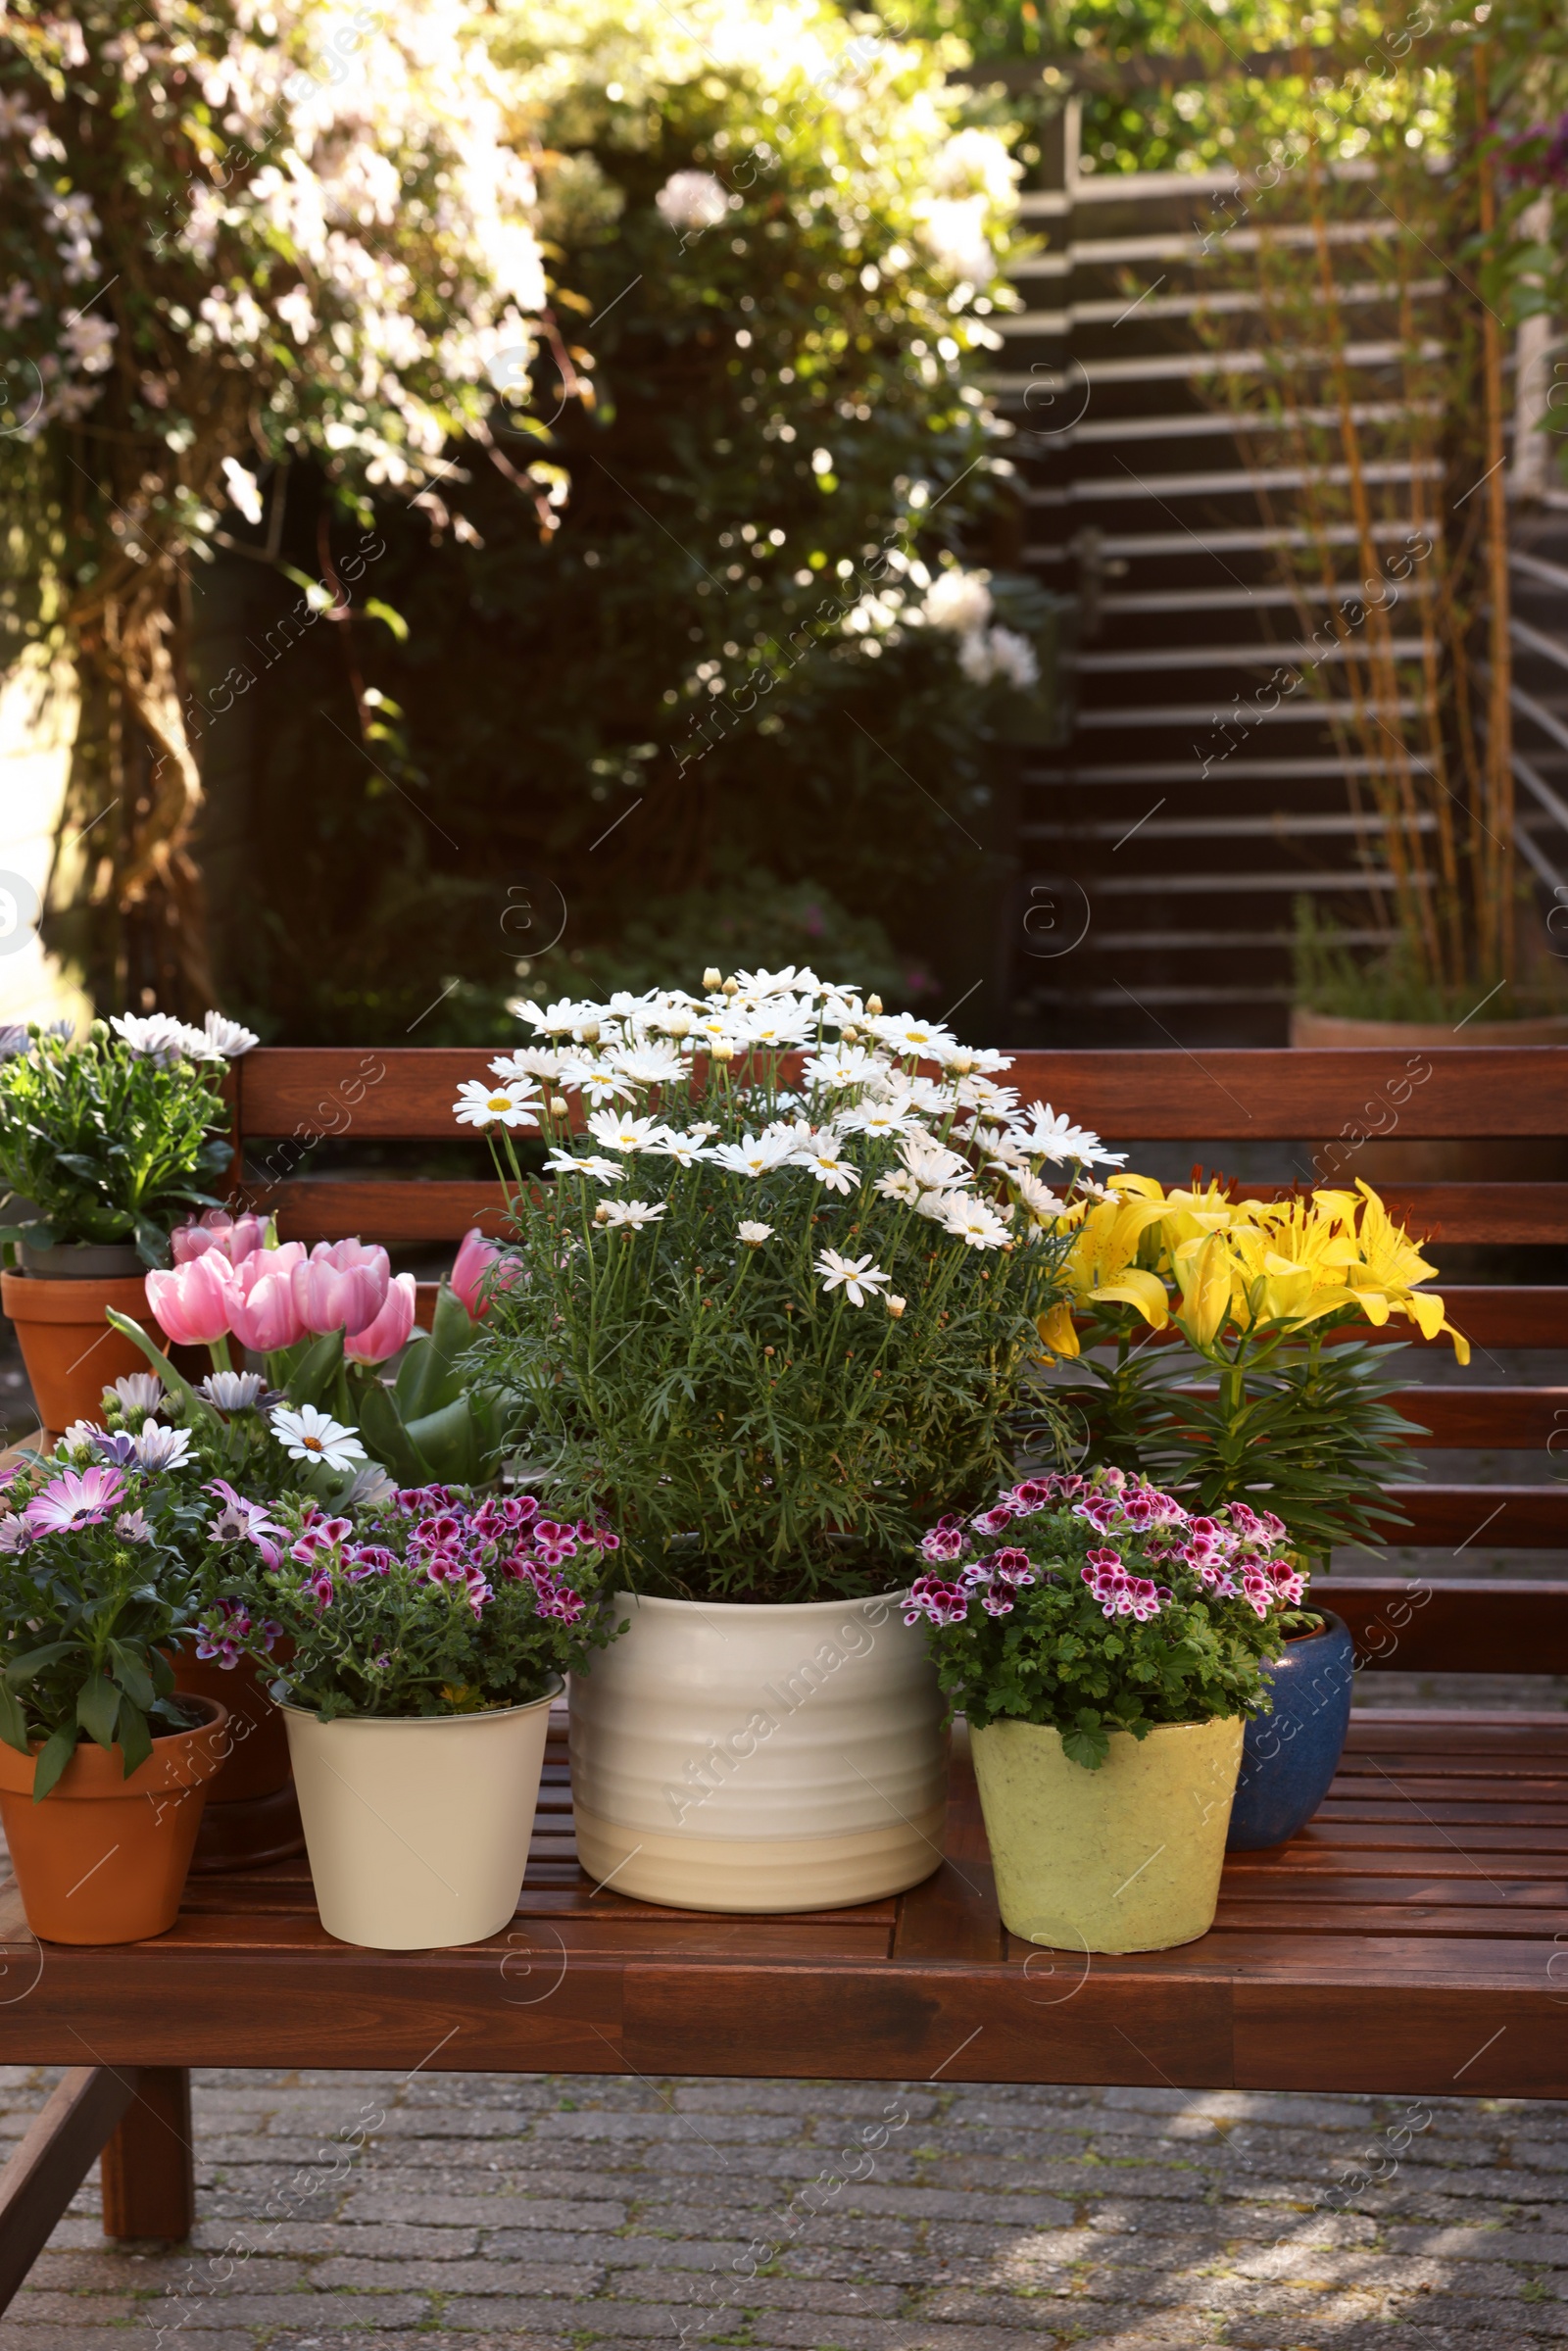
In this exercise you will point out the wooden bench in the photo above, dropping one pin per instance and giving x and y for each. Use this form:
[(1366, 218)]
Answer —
[(1413, 1939)]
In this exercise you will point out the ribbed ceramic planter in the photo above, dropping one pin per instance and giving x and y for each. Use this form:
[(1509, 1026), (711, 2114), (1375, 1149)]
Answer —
[(759, 1759), (1290, 1756), (418, 1826), (1125, 1858), (103, 1859)]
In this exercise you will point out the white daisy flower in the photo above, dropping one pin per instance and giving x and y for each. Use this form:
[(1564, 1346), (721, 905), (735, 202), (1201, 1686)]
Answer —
[(899, 1184), (618, 1132), (499, 1105), (754, 1154), (935, 1204), (841, 1066), (904, 1035), (1035, 1194), (650, 1064), (779, 1028), (137, 1390), (788, 982), (228, 1036), (603, 1171), (753, 1234), (927, 1095), (1051, 1134), (632, 1213), (932, 1165), (974, 1221), (685, 1149), (828, 1164), (562, 1019), (530, 1061), (312, 1436), (979, 1094), (874, 1118), (857, 1275), (599, 1080), (974, 1061)]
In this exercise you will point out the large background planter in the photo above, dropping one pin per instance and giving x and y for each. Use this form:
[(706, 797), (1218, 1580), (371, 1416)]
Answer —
[(103, 1859), (726, 1757), (418, 1826), (1125, 1858), (1289, 1757), (71, 1351)]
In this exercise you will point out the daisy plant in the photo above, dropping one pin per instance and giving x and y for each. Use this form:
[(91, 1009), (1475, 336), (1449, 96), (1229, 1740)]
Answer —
[(103, 1559), (114, 1138), (777, 1294), (1269, 1396), (1095, 1604)]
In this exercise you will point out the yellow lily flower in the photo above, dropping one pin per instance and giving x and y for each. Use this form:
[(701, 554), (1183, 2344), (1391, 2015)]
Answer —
[(1205, 1270)]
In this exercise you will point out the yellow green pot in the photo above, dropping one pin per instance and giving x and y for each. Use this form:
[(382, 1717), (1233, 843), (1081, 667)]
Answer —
[(1126, 1858)]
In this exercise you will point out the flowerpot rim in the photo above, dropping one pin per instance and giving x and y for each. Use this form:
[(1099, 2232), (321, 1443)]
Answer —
[(418, 1722), (774, 1610), (1015, 1721), (1332, 1623), (72, 1298), (110, 1785)]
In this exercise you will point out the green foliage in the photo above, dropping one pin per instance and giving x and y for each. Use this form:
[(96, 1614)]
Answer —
[(428, 1604), (109, 1144), (88, 1612), (1392, 985), (1040, 1646)]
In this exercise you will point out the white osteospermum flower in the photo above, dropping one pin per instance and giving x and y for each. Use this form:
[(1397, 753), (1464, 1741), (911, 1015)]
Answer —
[(157, 1447), (501, 1105), (229, 1036), (692, 200), (960, 600), (137, 1390), (858, 1277), (753, 1234), (232, 1391), (158, 1037), (631, 1213), (618, 1132), (312, 1436), (1051, 1134), (974, 1221)]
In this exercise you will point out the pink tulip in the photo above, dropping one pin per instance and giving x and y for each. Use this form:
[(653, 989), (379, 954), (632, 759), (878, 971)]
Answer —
[(234, 1236), (342, 1285), (391, 1327), (193, 1302), (474, 1258), (261, 1313)]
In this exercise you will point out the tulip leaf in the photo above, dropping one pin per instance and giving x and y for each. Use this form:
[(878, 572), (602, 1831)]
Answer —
[(316, 1370), (417, 1377), (175, 1381), (446, 1438), (387, 1438)]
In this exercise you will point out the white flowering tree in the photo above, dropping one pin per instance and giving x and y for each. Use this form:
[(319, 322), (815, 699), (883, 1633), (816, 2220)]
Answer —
[(231, 235)]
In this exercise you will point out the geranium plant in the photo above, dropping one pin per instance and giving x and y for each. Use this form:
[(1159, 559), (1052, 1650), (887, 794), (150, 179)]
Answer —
[(1265, 1397), (113, 1139), (1095, 1604), (779, 1295), (101, 1552), (433, 1602)]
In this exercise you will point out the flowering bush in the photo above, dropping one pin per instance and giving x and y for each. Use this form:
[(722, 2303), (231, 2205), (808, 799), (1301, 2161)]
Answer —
[(432, 1602), (108, 1140), (1253, 1288), (101, 1552), (1098, 1604), (781, 1295)]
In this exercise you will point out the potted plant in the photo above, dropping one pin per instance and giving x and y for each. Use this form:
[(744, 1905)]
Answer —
[(1107, 1646), (104, 1766), (426, 1637), (1267, 1398), (105, 1145), (772, 1294)]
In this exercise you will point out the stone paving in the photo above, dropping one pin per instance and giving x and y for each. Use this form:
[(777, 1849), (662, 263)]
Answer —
[(459, 2211)]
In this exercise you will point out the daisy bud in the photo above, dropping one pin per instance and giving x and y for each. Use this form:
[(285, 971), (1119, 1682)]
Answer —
[(601, 1214), (711, 976), (557, 1105), (721, 1052), (850, 1034), (590, 1032), (679, 1025), (873, 1005), (961, 1064), (896, 1306), (732, 987)]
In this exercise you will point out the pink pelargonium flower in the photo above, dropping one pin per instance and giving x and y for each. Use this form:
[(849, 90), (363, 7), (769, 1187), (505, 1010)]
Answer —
[(76, 1498), (341, 1286), (474, 1260), (193, 1303), (390, 1329), (263, 1315), (235, 1237)]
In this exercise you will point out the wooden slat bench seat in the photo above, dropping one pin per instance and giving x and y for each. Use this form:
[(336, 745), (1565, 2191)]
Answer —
[(1413, 1939)]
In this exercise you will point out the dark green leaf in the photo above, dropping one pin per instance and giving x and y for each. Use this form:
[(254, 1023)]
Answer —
[(98, 1704), (53, 1756)]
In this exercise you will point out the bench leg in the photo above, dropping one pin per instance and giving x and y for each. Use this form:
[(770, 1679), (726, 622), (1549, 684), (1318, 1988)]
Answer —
[(149, 2176), (53, 2160)]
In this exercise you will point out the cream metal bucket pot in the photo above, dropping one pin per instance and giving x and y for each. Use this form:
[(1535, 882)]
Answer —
[(418, 1826), (1125, 1858), (730, 1757)]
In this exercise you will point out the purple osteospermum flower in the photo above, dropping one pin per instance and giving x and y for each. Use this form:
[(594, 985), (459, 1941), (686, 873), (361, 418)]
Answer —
[(76, 1498)]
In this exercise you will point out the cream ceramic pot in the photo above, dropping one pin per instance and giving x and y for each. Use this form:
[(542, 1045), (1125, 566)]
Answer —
[(1125, 1858), (726, 1757), (418, 1826)]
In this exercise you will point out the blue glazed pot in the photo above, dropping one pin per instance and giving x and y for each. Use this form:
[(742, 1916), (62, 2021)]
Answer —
[(1290, 1756)]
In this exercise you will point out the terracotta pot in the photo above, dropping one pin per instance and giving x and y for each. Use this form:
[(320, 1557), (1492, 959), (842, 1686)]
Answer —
[(70, 1351), (1367, 1150), (252, 1816), (103, 1859), (1336, 1030)]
